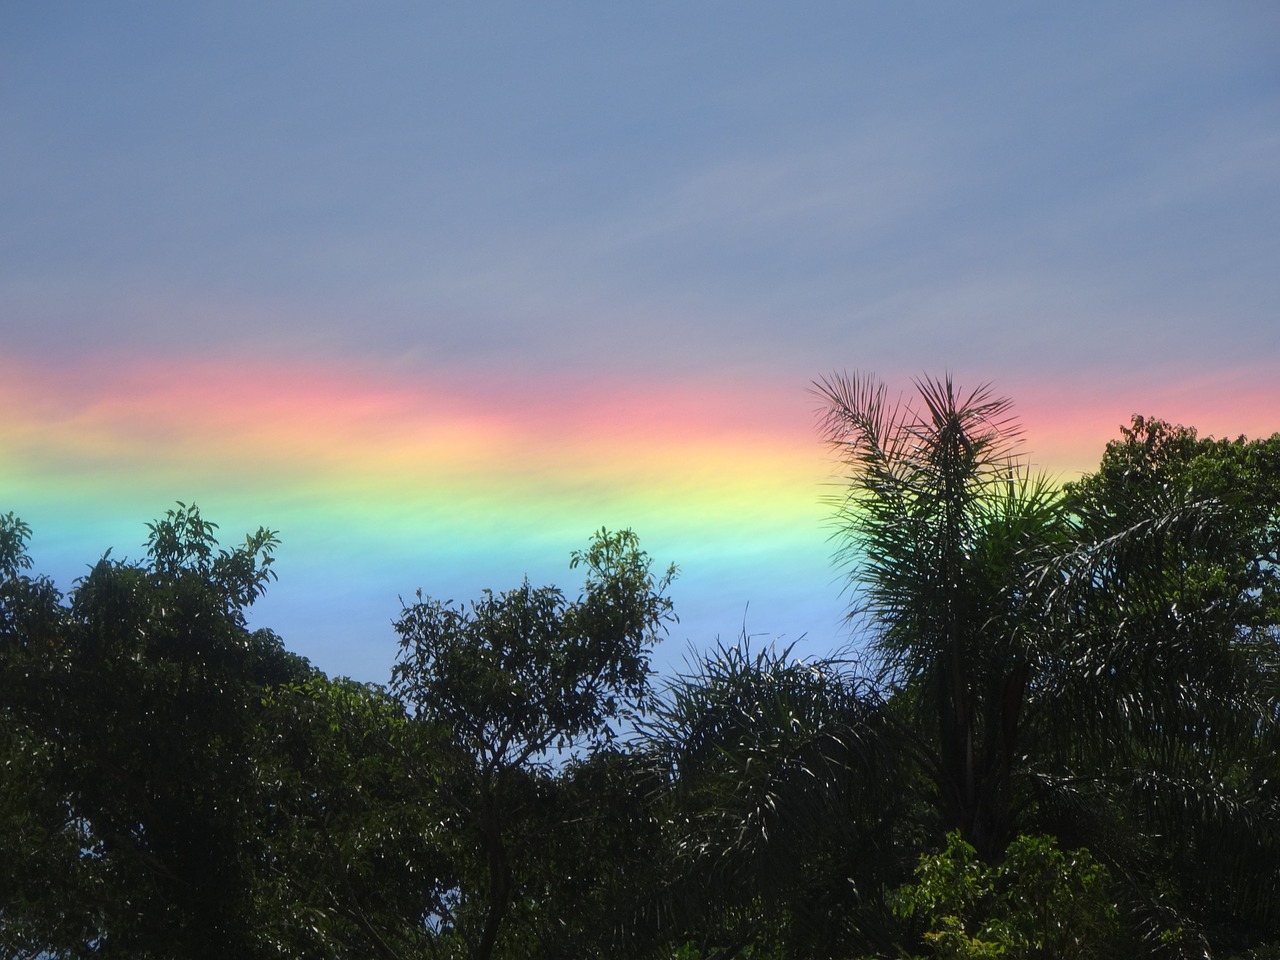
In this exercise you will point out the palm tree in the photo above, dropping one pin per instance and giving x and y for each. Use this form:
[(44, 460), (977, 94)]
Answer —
[(942, 531), (783, 794), (1099, 662)]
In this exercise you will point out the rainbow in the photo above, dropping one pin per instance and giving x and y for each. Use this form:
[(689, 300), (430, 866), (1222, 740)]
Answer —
[(382, 479)]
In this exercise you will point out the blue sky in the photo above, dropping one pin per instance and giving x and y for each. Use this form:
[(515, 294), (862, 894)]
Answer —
[(689, 182)]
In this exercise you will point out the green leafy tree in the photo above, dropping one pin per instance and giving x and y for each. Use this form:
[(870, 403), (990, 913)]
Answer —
[(135, 704), (1098, 663), (356, 860), (1039, 903), (511, 682), (1171, 607), (45, 882)]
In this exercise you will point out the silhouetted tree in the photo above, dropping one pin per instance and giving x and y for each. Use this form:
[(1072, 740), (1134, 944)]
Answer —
[(510, 682), (1100, 664), (137, 705)]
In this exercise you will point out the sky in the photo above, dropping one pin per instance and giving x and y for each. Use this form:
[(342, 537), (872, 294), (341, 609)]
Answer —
[(437, 290)]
